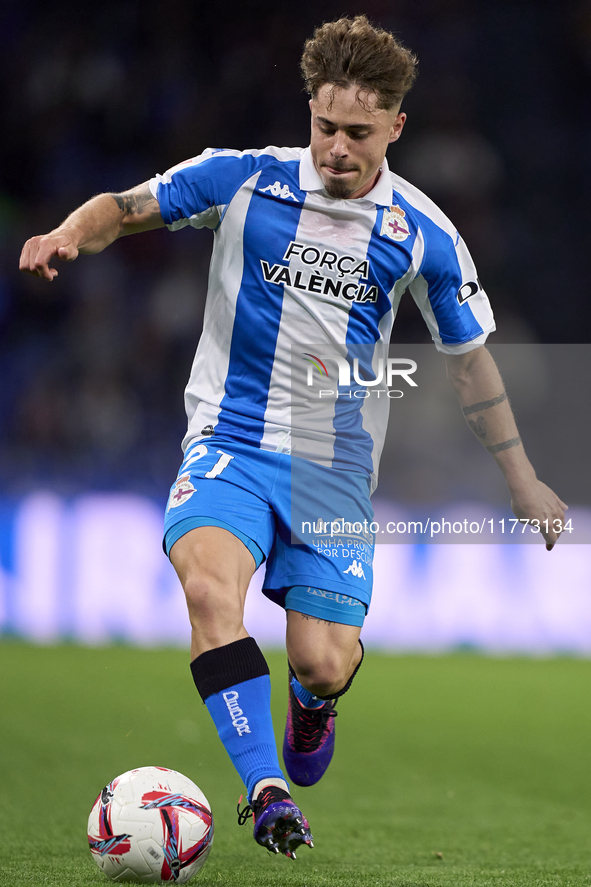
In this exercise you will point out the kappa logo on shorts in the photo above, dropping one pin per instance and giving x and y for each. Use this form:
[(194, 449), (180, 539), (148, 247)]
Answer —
[(279, 190), (182, 490), (356, 569)]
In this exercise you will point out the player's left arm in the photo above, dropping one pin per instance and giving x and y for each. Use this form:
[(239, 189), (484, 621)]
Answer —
[(478, 384)]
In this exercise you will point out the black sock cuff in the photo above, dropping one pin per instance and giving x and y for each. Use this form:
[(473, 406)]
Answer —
[(350, 681), (220, 668)]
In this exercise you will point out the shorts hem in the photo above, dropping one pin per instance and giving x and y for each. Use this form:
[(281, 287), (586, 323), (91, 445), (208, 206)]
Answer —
[(278, 595), (321, 604), (185, 525)]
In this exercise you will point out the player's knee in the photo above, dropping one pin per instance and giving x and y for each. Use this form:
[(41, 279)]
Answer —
[(210, 601), (323, 673)]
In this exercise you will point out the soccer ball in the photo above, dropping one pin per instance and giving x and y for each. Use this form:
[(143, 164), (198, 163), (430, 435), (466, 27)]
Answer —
[(151, 826)]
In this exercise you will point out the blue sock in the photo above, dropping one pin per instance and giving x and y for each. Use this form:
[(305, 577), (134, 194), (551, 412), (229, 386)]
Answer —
[(306, 698), (242, 715)]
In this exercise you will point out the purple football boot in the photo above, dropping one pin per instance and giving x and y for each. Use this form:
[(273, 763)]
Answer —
[(308, 744), (279, 825)]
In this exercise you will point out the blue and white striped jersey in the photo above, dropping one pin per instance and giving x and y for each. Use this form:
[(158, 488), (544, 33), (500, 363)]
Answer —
[(295, 273)]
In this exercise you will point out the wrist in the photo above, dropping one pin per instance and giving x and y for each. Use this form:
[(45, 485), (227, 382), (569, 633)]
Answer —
[(518, 471), (70, 232)]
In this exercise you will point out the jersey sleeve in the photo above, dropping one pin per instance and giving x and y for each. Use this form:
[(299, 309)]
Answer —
[(449, 294), (197, 191)]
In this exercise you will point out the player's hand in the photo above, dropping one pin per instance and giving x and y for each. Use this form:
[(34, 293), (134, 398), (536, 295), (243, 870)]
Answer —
[(39, 251), (539, 504)]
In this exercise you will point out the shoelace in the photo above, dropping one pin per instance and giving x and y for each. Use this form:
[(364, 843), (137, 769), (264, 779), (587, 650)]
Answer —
[(244, 814), (310, 725), (266, 796)]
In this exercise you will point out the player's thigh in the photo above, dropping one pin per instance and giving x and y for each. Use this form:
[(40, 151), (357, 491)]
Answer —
[(214, 567)]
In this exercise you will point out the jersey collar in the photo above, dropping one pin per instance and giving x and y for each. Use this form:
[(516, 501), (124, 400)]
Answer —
[(381, 193)]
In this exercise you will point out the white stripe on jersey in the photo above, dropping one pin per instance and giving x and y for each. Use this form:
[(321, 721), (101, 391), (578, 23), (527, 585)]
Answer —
[(479, 305), (206, 386)]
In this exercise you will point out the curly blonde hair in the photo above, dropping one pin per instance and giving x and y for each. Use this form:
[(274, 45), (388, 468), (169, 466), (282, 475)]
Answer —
[(352, 52)]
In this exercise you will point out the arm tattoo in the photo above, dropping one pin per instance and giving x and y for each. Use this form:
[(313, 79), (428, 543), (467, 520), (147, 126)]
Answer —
[(478, 427), (498, 448), (134, 202), (484, 405)]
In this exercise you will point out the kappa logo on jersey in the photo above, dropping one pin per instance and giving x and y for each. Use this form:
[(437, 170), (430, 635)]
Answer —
[(279, 190), (182, 490), (355, 568), (394, 225)]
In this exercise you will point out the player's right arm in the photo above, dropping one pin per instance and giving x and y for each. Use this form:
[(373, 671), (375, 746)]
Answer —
[(91, 228)]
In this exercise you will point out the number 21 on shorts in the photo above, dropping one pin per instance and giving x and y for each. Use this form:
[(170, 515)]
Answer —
[(201, 451)]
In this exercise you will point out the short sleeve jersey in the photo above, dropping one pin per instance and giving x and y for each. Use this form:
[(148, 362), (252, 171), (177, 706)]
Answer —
[(295, 273)]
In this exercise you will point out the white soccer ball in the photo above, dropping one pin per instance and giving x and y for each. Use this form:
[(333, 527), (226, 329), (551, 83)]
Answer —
[(151, 826)]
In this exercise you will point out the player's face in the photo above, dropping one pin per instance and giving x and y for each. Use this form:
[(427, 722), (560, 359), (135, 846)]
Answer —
[(349, 139)]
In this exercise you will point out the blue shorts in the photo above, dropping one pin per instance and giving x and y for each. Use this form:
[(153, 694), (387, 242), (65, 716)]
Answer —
[(309, 522)]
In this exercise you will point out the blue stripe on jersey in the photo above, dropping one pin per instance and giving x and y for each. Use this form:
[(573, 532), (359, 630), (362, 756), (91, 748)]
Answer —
[(272, 222), (441, 270), (387, 265), (212, 182)]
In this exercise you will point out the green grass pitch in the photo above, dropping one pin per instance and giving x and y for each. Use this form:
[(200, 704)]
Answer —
[(450, 771)]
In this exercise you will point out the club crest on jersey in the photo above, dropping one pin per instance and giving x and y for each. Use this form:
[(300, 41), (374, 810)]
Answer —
[(182, 490), (394, 225)]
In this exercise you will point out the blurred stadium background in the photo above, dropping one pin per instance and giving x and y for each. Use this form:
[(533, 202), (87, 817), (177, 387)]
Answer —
[(92, 368)]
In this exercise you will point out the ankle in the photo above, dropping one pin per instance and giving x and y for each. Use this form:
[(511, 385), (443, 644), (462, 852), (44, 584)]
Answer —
[(263, 783), (305, 697)]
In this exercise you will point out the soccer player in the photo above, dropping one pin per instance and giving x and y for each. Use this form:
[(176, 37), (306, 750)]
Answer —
[(312, 245)]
